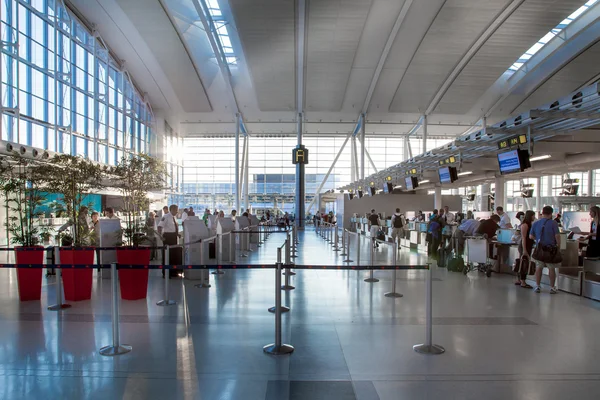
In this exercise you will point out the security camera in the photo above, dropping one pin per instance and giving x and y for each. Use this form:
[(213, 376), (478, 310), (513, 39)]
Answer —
[(22, 150), (9, 147), (34, 153), (45, 155)]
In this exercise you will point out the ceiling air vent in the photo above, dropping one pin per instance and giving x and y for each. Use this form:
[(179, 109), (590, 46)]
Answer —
[(577, 99)]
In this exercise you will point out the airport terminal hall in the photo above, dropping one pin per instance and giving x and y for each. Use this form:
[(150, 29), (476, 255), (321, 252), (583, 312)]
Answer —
[(300, 199)]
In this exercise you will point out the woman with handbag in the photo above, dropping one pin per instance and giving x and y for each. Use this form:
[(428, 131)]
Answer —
[(546, 235), (525, 249)]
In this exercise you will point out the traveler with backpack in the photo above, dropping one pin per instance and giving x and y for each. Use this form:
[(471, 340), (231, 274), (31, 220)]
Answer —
[(374, 226), (398, 222)]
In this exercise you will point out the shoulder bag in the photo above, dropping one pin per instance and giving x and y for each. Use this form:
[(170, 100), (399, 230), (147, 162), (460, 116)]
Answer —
[(549, 254)]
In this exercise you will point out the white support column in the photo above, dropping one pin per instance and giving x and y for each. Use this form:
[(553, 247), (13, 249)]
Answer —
[(499, 194), (485, 192), (237, 163), (246, 175), (424, 134), (352, 166), (548, 186), (538, 196), (363, 146), (590, 185), (437, 198)]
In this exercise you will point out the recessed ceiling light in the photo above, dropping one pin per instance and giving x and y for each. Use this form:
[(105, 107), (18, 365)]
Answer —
[(465, 173), (425, 181), (538, 158)]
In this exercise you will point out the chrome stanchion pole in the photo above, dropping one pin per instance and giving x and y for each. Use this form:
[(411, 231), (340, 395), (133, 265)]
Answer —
[(288, 262), (59, 304), (336, 239), (371, 279), (343, 253), (218, 247), (348, 260), (282, 308), (232, 244), (357, 249), (204, 276), (428, 347), (278, 348), (393, 293), (166, 302), (116, 348), (242, 243)]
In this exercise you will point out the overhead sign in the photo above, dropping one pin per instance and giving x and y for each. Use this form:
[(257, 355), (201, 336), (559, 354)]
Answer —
[(300, 155), (513, 141), (411, 171)]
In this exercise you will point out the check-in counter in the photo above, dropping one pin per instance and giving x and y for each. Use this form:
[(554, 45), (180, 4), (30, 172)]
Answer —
[(591, 281), (422, 236)]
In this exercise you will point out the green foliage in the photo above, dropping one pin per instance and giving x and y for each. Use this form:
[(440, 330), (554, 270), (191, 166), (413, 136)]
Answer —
[(21, 184), (73, 178), (134, 177)]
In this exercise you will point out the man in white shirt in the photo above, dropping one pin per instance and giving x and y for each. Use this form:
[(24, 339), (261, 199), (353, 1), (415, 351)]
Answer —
[(110, 213), (184, 214), (448, 217), (504, 218)]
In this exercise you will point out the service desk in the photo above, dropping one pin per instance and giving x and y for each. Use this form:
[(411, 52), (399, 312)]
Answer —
[(591, 281)]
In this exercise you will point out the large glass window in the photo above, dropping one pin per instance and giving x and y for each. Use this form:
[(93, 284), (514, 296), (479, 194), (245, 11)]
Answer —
[(58, 76)]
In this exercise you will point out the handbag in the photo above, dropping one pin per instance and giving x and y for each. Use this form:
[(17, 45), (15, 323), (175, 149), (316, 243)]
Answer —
[(519, 262), (549, 254)]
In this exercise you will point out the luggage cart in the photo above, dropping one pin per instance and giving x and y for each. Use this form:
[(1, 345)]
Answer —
[(477, 255)]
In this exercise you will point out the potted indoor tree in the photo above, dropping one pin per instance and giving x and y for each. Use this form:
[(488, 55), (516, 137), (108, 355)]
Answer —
[(73, 178), (135, 176), (21, 185)]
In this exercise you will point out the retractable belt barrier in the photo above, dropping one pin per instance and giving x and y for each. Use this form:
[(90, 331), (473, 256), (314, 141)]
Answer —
[(277, 348)]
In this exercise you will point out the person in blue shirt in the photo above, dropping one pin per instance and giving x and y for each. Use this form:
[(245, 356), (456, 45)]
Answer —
[(545, 232)]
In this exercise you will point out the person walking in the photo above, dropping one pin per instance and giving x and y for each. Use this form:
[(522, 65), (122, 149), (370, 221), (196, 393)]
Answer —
[(398, 222), (525, 249), (546, 235), (374, 224)]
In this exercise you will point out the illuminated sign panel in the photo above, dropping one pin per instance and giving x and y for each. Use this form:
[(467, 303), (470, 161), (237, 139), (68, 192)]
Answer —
[(300, 155)]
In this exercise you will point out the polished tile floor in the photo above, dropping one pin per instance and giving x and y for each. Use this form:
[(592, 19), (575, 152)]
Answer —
[(351, 342)]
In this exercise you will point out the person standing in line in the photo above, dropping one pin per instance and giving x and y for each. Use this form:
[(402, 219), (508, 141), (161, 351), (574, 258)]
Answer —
[(205, 216), (558, 221), (374, 224), (504, 218), (545, 233), (448, 217), (398, 222), (184, 214), (168, 228), (525, 248), (95, 229), (110, 213), (150, 233), (233, 214), (165, 211)]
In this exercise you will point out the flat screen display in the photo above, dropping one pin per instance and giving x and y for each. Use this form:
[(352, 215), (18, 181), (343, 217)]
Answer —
[(409, 183), (388, 187), (444, 173), (509, 162), (372, 191)]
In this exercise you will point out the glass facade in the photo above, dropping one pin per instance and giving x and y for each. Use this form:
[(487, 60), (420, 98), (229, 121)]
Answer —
[(62, 91)]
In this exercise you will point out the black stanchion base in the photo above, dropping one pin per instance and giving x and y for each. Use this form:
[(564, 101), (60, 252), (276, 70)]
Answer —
[(278, 350), (292, 273), (427, 349), (58, 307), (393, 294), (202, 285), (111, 351), (348, 261), (371, 280), (217, 272), (283, 309), (287, 287)]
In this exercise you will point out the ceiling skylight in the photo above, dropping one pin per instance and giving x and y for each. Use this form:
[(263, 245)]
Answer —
[(221, 29), (550, 35)]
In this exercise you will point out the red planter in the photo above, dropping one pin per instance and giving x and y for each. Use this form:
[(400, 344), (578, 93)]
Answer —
[(77, 282), (29, 280), (133, 283)]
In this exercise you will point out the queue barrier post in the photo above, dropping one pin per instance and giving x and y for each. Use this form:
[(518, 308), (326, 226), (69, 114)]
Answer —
[(393, 293), (282, 308), (288, 262), (357, 249), (117, 348), (278, 348), (59, 304), (372, 279), (348, 260), (166, 301), (336, 239), (218, 247), (428, 347), (343, 253), (204, 276)]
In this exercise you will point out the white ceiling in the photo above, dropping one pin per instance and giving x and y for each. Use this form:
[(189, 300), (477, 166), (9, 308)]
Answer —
[(436, 54)]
